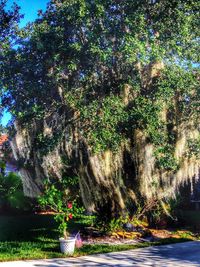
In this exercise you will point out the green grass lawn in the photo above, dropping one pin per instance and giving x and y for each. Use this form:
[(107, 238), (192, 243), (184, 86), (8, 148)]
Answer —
[(36, 237)]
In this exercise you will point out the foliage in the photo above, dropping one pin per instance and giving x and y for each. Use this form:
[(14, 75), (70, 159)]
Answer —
[(11, 192), (156, 212), (115, 224), (2, 167), (56, 197), (111, 69), (112, 225), (194, 147), (3, 129), (8, 33), (9, 20), (96, 49), (46, 144), (103, 122)]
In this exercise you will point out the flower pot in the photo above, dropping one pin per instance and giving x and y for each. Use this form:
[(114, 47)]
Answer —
[(67, 245)]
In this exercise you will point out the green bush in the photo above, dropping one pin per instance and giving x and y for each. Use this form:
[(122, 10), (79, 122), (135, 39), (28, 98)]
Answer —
[(57, 198), (11, 193)]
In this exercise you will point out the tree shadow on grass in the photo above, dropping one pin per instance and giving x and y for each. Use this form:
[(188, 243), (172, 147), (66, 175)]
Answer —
[(31, 228), (27, 228)]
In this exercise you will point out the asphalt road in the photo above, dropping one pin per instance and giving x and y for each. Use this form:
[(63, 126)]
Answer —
[(175, 255)]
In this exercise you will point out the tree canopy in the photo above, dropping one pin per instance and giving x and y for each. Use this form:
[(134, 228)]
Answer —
[(8, 27), (89, 51)]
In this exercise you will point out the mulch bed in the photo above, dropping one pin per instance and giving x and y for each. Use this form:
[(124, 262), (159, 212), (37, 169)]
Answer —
[(152, 236)]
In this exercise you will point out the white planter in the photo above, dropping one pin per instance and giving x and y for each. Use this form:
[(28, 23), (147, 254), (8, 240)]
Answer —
[(67, 246)]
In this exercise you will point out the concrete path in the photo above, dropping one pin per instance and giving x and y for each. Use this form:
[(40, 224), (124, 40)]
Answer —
[(176, 255)]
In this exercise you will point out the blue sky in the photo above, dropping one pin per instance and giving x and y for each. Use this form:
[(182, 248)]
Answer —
[(29, 8)]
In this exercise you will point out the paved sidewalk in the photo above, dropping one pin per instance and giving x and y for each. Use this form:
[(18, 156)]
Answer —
[(175, 255)]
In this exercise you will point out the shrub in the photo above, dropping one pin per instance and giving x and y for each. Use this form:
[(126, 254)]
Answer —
[(57, 198), (11, 193)]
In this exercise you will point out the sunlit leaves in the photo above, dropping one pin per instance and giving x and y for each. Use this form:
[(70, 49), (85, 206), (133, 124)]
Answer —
[(90, 49)]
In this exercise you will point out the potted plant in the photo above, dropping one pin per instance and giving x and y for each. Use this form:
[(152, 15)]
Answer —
[(67, 244), (57, 198)]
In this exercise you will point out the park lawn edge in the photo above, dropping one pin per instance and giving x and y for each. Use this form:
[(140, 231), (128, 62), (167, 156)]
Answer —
[(88, 250)]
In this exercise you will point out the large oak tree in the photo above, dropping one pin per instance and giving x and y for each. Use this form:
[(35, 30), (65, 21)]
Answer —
[(112, 86)]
